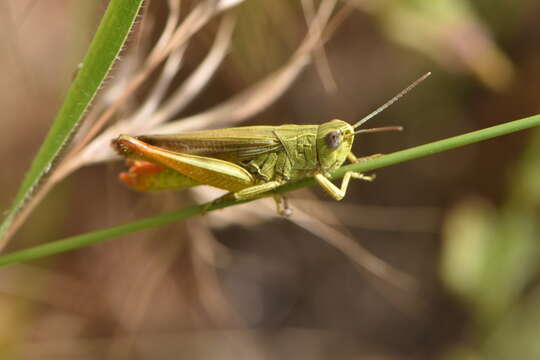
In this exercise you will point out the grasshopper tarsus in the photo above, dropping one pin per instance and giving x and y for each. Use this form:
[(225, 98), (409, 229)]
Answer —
[(353, 159), (282, 205), (368, 178)]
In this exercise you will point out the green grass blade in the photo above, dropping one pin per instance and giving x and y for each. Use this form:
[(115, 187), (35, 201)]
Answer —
[(102, 53), (91, 238)]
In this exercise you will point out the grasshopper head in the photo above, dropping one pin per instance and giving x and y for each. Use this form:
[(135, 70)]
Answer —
[(335, 138), (334, 142)]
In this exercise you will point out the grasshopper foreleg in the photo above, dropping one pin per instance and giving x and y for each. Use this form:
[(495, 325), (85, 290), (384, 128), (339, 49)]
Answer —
[(338, 193), (353, 159)]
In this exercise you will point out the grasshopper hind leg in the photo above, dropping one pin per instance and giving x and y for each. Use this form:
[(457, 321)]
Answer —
[(148, 177)]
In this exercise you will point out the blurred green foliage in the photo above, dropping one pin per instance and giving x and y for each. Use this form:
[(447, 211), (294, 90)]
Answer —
[(490, 259), (478, 272)]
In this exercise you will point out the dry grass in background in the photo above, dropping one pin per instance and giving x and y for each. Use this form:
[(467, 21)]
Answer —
[(244, 283)]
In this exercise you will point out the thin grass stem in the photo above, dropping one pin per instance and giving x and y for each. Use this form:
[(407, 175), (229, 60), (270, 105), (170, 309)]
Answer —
[(91, 238)]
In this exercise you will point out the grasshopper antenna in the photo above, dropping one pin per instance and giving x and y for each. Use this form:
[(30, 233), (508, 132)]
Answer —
[(379, 129), (392, 100)]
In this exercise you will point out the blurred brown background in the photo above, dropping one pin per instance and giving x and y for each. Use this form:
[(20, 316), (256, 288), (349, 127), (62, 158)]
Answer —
[(245, 284)]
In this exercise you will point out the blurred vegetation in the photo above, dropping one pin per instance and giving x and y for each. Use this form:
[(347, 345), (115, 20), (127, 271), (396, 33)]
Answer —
[(247, 285), (108, 42)]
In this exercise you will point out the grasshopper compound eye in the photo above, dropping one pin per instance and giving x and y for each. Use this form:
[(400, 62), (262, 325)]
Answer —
[(333, 139)]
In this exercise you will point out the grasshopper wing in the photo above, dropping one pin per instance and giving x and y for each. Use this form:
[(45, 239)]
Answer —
[(232, 144)]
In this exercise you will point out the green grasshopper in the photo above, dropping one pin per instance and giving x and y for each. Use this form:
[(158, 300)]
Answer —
[(247, 161)]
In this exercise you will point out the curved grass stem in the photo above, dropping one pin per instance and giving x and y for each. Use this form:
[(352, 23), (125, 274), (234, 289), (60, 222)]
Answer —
[(87, 239), (110, 37)]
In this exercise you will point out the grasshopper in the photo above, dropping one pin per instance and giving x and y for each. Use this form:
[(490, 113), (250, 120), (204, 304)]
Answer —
[(248, 161)]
